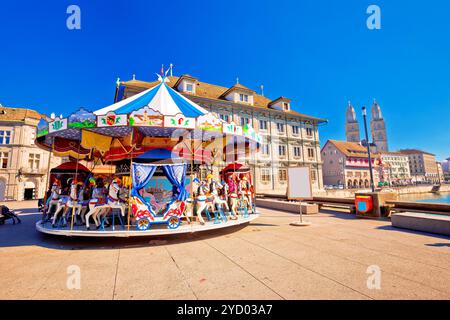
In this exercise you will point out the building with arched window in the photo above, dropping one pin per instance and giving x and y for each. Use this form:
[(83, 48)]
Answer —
[(23, 166)]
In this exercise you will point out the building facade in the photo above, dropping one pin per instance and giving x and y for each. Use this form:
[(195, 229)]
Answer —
[(23, 166), (423, 166), (395, 168), (289, 138), (347, 164)]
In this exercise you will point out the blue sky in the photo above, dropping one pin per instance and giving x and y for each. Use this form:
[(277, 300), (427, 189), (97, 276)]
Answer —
[(318, 53)]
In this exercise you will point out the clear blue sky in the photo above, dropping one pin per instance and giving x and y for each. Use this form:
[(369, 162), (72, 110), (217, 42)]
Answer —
[(318, 53)]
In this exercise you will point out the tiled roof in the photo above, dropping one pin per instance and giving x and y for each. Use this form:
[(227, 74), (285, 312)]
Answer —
[(18, 114), (414, 151), (352, 149), (215, 92)]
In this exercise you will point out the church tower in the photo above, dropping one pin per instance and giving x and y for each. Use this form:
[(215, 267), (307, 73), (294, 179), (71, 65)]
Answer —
[(378, 128), (351, 125)]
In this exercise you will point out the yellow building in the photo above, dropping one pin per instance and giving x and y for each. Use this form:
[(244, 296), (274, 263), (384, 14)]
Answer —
[(23, 166)]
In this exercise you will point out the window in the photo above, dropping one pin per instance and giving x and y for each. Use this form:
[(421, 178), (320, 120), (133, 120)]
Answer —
[(33, 136), (295, 130), (282, 175), (265, 175), (244, 121), (5, 136), (225, 117), (263, 124), (265, 149), (310, 153), (281, 151), (4, 156), (280, 127), (189, 87), (243, 97), (34, 160), (309, 132), (297, 152), (285, 106), (313, 175)]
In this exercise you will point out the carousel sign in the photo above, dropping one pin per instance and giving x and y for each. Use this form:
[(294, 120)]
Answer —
[(57, 125), (111, 120), (179, 121), (146, 117)]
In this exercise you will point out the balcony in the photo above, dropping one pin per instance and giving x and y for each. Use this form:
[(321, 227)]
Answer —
[(32, 171)]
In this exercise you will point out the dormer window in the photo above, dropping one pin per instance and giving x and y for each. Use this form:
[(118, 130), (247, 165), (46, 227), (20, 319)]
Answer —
[(280, 103), (243, 97), (240, 94), (189, 87), (186, 83)]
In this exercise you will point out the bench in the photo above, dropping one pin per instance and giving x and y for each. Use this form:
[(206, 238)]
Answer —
[(420, 221)]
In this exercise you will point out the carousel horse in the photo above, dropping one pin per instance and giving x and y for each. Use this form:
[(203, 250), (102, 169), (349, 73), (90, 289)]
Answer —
[(58, 200), (71, 203), (95, 203), (200, 202), (245, 194), (101, 210), (217, 201), (233, 196), (78, 202)]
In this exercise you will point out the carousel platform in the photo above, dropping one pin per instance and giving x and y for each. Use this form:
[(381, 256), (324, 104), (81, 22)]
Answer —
[(80, 231)]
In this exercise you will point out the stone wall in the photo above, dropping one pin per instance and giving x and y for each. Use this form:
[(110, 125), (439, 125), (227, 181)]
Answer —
[(350, 193)]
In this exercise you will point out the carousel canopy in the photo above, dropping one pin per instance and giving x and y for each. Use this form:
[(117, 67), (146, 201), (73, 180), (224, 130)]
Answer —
[(67, 167), (162, 99), (235, 167), (156, 154)]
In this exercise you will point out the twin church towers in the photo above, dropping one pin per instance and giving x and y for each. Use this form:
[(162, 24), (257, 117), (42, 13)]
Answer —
[(377, 127)]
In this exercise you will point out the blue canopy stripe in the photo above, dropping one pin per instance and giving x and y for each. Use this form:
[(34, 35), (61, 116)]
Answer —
[(183, 104), (139, 102)]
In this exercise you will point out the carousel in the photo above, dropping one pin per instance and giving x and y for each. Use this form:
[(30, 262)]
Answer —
[(162, 149)]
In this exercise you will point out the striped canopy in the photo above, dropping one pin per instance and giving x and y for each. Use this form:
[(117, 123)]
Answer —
[(160, 98)]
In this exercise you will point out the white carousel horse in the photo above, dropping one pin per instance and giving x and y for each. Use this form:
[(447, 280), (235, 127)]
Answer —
[(112, 202), (200, 202), (95, 203), (71, 203), (77, 202), (245, 194), (217, 201), (56, 199)]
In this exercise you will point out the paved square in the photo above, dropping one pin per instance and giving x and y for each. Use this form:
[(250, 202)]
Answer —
[(267, 259)]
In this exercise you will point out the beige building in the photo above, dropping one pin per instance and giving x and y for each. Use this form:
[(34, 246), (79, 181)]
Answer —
[(289, 137), (23, 166), (347, 164), (395, 168), (423, 166)]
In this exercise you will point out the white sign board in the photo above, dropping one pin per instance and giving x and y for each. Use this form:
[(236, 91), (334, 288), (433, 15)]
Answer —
[(299, 183)]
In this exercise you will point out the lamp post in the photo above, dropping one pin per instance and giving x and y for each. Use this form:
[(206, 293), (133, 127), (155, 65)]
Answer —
[(364, 113), (342, 162)]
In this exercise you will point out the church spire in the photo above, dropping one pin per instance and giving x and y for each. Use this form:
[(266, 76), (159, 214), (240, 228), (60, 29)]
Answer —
[(351, 125), (378, 128)]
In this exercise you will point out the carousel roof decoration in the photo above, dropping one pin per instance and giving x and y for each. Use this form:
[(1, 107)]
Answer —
[(158, 112)]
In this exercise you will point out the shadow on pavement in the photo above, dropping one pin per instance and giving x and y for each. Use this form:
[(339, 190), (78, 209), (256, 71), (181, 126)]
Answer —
[(434, 235), (25, 234)]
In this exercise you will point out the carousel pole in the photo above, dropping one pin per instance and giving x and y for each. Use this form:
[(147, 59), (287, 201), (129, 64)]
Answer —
[(75, 177), (131, 179), (48, 172)]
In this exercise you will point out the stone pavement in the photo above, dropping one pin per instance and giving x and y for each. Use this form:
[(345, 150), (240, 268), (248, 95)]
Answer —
[(267, 259)]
